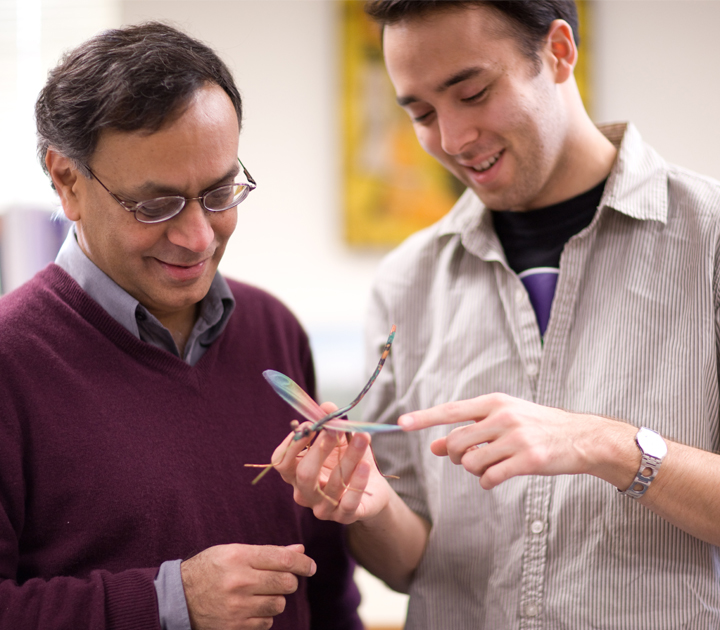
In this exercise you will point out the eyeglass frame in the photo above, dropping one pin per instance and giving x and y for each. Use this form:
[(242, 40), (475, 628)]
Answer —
[(251, 185)]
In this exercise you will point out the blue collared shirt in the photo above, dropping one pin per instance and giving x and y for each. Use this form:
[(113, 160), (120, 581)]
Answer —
[(215, 310)]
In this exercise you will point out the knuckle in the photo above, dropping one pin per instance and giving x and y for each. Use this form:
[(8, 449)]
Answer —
[(346, 514), (273, 605), (536, 457), (499, 399), (233, 583), (287, 583), (300, 498), (453, 409), (233, 551), (304, 476), (505, 415), (281, 464), (468, 462), (263, 623), (329, 509), (286, 559), (323, 511), (488, 480)]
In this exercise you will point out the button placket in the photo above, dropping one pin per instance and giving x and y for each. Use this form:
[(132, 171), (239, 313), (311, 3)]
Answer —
[(535, 552)]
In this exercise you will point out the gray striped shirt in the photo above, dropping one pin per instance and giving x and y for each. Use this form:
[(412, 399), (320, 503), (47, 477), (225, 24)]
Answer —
[(633, 334)]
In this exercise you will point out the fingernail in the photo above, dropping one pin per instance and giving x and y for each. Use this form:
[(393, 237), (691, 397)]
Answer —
[(406, 422), (313, 568)]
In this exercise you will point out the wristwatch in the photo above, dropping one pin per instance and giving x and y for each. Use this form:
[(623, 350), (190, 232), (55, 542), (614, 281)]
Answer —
[(653, 449)]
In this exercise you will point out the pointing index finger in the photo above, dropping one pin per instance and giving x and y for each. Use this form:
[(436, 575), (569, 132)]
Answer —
[(474, 409)]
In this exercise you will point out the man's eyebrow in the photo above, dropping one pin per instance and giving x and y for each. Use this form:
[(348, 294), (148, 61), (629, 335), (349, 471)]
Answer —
[(152, 188), (458, 77)]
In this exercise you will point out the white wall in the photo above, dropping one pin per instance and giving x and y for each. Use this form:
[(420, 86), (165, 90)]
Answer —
[(33, 35), (656, 64)]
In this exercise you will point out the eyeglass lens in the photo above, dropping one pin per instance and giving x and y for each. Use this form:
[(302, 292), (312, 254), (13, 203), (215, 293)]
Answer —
[(216, 200)]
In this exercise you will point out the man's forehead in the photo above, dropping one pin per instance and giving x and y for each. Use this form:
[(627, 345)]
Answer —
[(443, 48), (213, 107), (198, 149), (483, 20)]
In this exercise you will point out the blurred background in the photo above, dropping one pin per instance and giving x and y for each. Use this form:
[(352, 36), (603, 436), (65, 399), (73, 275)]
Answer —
[(649, 61)]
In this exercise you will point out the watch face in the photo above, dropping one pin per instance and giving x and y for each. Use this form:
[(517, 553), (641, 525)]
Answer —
[(651, 443)]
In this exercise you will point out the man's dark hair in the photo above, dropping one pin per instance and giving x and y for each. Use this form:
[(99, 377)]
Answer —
[(128, 79), (530, 18)]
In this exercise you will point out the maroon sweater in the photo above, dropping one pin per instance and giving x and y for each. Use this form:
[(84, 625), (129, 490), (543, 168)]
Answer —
[(116, 456)]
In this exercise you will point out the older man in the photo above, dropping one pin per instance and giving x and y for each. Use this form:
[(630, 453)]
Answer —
[(131, 390), (578, 272)]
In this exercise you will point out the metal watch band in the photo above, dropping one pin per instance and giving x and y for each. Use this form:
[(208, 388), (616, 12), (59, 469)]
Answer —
[(641, 483), (648, 464)]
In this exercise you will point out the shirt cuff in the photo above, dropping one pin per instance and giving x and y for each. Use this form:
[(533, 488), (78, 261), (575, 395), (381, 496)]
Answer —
[(171, 597)]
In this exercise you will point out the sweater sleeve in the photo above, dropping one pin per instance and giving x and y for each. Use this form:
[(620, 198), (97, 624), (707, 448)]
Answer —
[(103, 601)]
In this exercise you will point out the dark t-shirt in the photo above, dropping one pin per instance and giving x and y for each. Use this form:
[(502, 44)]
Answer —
[(533, 242)]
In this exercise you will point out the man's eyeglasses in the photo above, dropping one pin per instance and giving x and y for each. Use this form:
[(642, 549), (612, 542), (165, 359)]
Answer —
[(164, 208)]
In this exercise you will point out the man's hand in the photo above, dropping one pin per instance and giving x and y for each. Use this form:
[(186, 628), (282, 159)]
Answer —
[(341, 482), (337, 480), (239, 587), (513, 437)]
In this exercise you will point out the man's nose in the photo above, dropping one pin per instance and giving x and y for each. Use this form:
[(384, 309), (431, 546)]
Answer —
[(457, 133), (191, 228)]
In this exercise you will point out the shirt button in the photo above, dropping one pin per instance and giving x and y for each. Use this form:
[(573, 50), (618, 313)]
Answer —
[(519, 294), (140, 316), (532, 369), (532, 609), (537, 526)]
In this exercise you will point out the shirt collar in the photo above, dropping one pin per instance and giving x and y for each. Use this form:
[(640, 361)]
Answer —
[(637, 184), (636, 187), (97, 284), (215, 308)]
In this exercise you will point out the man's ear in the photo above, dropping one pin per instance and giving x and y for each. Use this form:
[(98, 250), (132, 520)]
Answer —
[(562, 50), (65, 177)]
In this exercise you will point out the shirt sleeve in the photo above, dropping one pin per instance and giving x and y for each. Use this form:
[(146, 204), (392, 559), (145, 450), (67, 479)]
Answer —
[(172, 605), (396, 454)]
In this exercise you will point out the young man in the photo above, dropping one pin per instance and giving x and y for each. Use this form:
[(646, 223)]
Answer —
[(131, 389), (578, 272)]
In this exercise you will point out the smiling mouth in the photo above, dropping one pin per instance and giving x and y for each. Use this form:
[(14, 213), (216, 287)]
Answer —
[(486, 164), (182, 265)]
